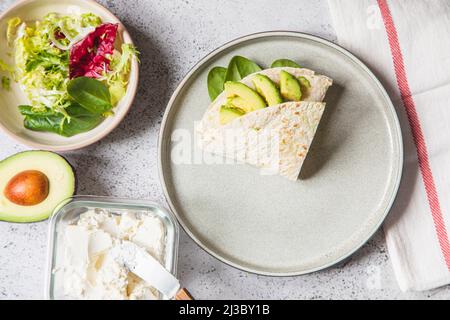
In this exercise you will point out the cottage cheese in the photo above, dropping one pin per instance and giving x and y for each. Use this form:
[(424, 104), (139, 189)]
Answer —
[(91, 270)]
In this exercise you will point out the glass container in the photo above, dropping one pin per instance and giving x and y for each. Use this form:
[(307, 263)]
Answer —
[(69, 212)]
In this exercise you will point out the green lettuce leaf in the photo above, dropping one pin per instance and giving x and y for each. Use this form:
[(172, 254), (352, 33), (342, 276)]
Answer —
[(117, 77), (6, 83), (11, 30)]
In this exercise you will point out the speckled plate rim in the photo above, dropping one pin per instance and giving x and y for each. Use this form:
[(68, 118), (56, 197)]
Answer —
[(117, 120), (396, 138)]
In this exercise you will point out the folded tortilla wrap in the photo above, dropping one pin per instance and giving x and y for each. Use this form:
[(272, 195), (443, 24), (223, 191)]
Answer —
[(276, 138)]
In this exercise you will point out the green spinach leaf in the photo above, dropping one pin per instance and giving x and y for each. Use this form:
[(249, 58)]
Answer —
[(216, 79), (239, 67), (91, 94), (44, 123), (80, 120), (284, 63), (27, 110)]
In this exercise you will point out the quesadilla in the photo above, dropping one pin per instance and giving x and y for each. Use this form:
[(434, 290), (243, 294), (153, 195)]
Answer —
[(252, 122)]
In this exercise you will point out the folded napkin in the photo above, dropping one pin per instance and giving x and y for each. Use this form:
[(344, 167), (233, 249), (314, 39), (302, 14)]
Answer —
[(407, 45)]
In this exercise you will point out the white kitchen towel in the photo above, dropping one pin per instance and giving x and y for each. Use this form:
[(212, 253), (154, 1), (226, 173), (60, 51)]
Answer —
[(407, 45)]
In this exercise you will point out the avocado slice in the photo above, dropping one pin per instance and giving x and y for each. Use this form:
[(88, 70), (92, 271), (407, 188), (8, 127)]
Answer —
[(237, 102), (304, 83), (228, 113), (32, 184), (268, 89), (290, 87), (237, 89)]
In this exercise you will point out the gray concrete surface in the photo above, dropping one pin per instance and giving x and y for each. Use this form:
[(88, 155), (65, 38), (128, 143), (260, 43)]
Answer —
[(172, 36)]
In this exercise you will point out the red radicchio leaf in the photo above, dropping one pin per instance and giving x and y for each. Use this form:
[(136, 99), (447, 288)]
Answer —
[(59, 35), (88, 56)]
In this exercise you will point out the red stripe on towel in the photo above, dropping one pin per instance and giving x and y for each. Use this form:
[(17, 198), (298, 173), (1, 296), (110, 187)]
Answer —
[(414, 122)]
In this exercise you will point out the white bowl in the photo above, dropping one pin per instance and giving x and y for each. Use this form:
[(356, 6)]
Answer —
[(11, 121)]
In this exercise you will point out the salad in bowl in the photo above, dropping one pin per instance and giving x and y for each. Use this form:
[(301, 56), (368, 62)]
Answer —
[(71, 68)]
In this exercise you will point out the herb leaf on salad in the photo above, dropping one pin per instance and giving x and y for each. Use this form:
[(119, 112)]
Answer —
[(91, 94), (79, 120)]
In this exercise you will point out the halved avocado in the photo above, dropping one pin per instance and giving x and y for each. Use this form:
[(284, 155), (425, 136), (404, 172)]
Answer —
[(290, 87), (237, 89), (32, 184), (268, 89)]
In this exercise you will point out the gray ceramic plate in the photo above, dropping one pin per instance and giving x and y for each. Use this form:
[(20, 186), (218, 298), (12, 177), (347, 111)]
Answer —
[(267, 224)]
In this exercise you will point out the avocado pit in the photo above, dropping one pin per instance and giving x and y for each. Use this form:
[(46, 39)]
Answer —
[(27, 188)]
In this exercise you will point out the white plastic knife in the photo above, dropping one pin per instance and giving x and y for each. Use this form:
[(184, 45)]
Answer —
[(142, 264)]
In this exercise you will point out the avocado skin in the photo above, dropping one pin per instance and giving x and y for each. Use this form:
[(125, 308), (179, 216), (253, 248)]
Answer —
[(45, 209), (253, 99), (74, 171), (290, 87), (268, 89)]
